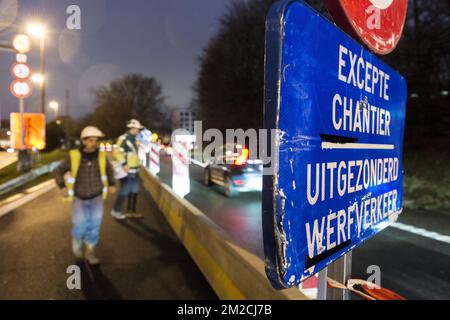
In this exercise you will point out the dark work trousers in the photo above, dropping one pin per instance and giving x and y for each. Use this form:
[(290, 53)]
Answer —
[(129, 188)]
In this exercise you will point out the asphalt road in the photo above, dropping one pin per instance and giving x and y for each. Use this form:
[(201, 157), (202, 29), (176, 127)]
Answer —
[(144, 260), (141, 259), (412, 265)]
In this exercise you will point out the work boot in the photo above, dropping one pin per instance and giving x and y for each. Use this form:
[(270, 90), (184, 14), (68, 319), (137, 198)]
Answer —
[(135, 215), (77, 248), (118, 215), (132, 207), (90, 256)]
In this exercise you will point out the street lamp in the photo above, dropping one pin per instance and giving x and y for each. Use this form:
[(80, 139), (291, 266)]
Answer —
[(38, 30), (37, 78), (55, 106)]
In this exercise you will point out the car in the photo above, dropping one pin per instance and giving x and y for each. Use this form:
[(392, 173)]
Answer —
[(106, 146), (166, 150), (232, 169)]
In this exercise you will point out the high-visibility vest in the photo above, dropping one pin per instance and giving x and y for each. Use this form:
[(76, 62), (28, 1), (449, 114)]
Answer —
[(75, 159), (131, 157)]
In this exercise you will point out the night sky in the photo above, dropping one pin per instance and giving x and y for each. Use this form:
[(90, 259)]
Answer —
[(159, 38)]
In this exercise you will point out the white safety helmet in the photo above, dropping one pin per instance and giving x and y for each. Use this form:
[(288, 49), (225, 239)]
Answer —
[(91, 131), (133, 123)]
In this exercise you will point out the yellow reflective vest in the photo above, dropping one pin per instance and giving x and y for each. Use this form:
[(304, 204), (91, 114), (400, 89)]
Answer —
[(75, 159), (126, 153)]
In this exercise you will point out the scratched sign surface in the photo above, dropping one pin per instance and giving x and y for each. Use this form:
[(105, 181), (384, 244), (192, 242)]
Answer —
[(340, 115)]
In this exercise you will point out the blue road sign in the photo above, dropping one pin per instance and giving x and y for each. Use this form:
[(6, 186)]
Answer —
[(340, 115)]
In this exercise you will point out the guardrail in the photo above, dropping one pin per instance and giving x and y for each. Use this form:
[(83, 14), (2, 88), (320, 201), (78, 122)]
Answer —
[(19, 199), (232, 272), (23, 179)]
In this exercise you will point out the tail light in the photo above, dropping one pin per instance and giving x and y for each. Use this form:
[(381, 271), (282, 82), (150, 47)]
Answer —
[(242, 159)]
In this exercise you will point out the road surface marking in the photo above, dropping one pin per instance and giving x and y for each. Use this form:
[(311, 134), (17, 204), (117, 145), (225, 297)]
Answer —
[(200, 164), (422, 232), (375, 146)]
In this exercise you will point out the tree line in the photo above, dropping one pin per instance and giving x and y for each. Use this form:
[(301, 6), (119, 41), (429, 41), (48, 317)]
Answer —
[(229, 88)]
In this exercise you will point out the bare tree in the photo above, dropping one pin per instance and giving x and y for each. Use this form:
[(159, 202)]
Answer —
[(423, 57), (231, 77), (133, 96), (230, 82)]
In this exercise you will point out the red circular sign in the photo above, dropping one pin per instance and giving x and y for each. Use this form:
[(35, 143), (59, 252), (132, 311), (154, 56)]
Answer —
[(22, 43), (20, 88), (377, 24), (21, 70)]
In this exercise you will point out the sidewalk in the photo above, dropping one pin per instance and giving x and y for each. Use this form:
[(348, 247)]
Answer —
[(141, 259)]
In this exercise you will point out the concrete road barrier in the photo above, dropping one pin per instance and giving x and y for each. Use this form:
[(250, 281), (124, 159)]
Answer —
[(232, 272)]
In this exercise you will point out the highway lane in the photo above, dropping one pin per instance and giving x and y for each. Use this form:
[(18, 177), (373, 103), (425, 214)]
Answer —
[(413, 265), (141, 259), (239, 216)]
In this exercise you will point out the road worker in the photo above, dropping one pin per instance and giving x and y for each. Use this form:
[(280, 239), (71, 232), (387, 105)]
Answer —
[(126, 157), (85, 178)]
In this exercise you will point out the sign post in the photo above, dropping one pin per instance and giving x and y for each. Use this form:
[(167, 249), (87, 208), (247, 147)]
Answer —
[(21, 89), (22, 123), (339, 113), (28, 130), (144, 138), (180, 167), (154, 157)]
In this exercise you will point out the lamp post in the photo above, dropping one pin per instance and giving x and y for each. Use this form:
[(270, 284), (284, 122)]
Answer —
[(38, 30)]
